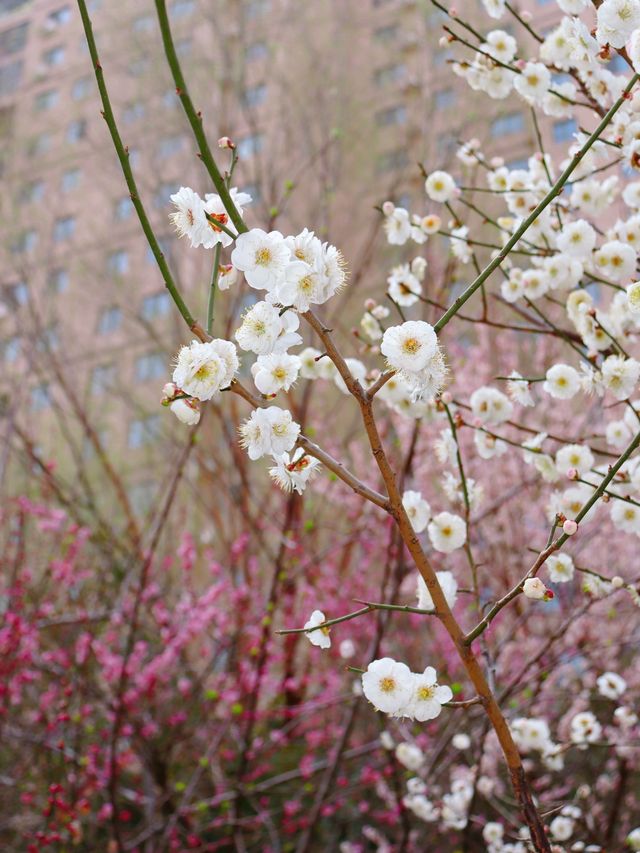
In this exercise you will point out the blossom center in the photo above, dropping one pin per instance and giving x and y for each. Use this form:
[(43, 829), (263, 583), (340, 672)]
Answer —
[(387, 684), (263, 256), (425, 693), (411, 346)]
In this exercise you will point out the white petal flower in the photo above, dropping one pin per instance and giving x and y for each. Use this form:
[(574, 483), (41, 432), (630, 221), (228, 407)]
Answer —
[(417, 509), (186, 410), (428, 696), (275, 372), (560, 568), (260, 329), (388, 685), (562, 382), (577, 239), (440, 186), (397, 226), (203, 369), (449, 586), (189, 217), (585, 728), (490, 405), (518, 389), (300, 286), (292, 473), (447, 532), (269, 431), (611, 685), (533, 82), (410, 346), (574, 456), (320, 637), (215, 208), (534, 588), (262, 257), (617, 19), (404, 288), (410, 756)]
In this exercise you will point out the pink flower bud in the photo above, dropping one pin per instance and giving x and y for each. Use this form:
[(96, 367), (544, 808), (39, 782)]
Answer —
[(572, 474), (447, 398), (225, 142), (388, 207), (570, 527), (526, 16), (169, 390), (520, 64), (370, 304)]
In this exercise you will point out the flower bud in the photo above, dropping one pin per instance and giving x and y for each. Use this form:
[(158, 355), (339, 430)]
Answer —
[(572, 474), (617, 582), (225, 142), (388, 207), (534, 588), (370, 304), (169, 390), (447, 398), (570, 527), (186, 410)]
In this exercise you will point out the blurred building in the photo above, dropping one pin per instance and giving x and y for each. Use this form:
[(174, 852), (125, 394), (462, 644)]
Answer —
[(332, 105)]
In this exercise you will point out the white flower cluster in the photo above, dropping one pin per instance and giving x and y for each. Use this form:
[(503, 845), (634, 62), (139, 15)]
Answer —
[(391, 687)]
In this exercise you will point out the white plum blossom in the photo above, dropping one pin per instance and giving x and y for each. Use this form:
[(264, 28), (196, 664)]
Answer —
[(189, 217), (409, 347), (409, 755), (620, 375), (562, 382), (260, 328), (300, 286), (585, 728), (577, 239), (388, 685), (404, 287), (447, 532), (320, 637), (292, 473), (262, 257), (397, 226), (270, 431), (533, 82), (187, 410), (616, 20), (204, 369), (428, 696), (534, 588), (214, 206), (611, 685), (448, 584), (417, 509), (576, 456), (440, 186), (626, 516), (275, 372), (561, 568), (561, 828), (490, 405), (633, 298)]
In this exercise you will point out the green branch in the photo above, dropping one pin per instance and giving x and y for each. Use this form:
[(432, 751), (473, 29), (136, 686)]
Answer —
[(123, 157), (195, 118)]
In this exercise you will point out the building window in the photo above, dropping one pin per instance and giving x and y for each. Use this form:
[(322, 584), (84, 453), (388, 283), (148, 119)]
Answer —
[(170, 145), (58, 18), (13, 40), (58, 280), (510, 123), (40, 397), (155, 305), (64, 228), (10, 76), (392, 160), (444, 99), (181, 8), (144, 431), (109, 320), (46, 100), (77, 130), (123, 209), (32, 192), (118, 262), (250, 145), (255, 95), (256, 51), (25, 242), (143, 24), (80, 88), (390, 74), (564, 130), (70, 180), (102, 378), (392, 115), (53, 57), (133, 112), (152, 365), (11, 350)]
